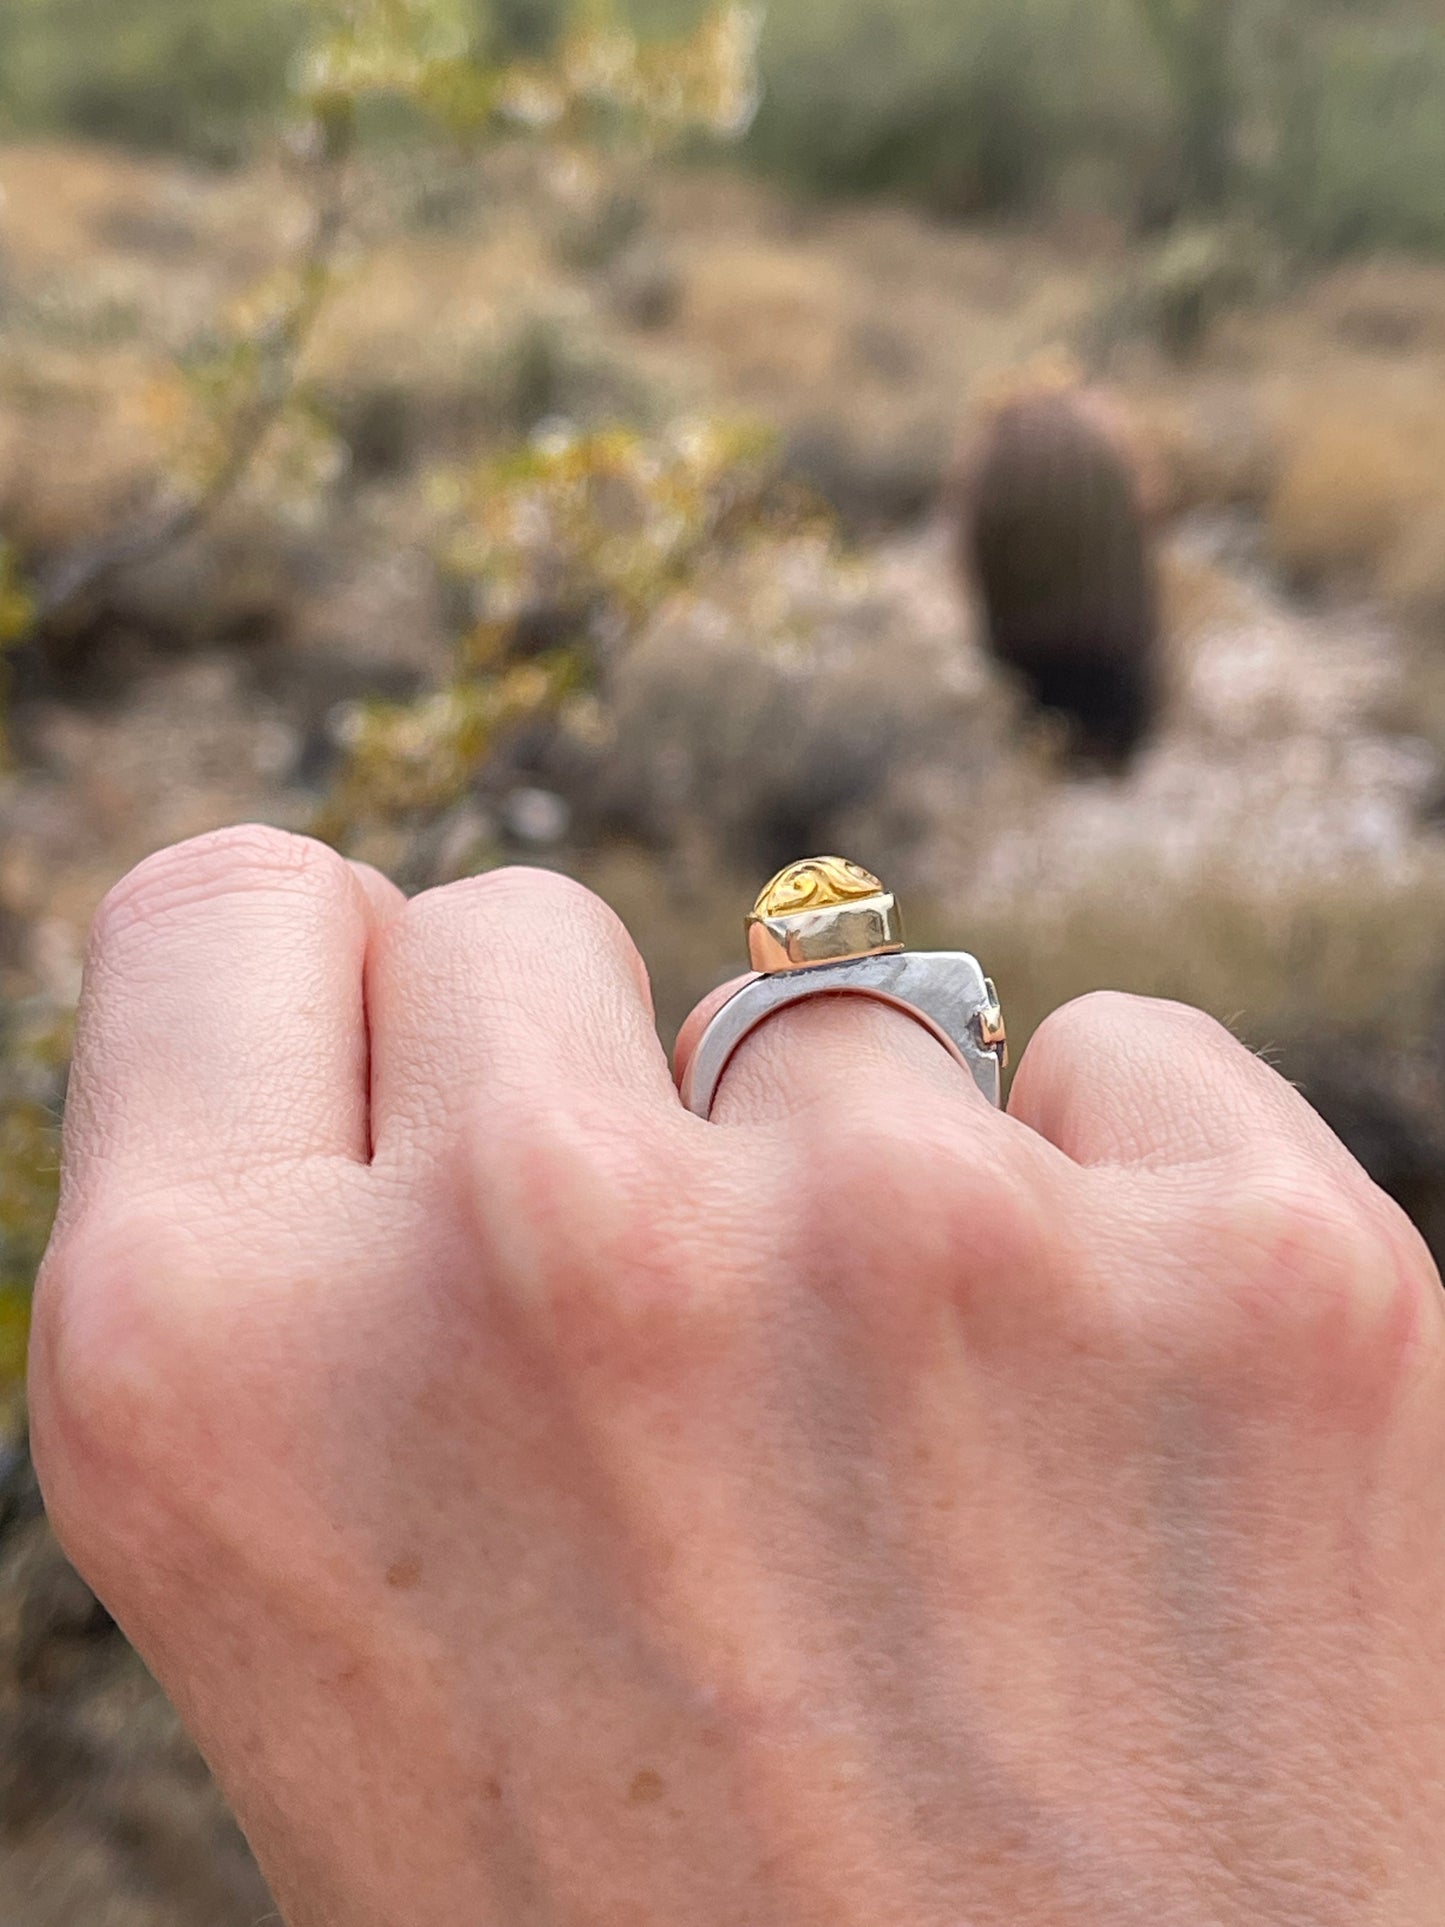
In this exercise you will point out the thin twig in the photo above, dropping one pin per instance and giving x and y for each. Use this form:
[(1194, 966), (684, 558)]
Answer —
[(77, 576)]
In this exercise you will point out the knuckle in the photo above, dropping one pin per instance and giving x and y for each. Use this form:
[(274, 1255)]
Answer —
[(1298, 1227), (250, 857), (1308, 1288), (113, 1358), (510, 890), (1081, 1028), (870, 1179), (902, 1208), (600, 1237), (520, 899), (1411, 1257)]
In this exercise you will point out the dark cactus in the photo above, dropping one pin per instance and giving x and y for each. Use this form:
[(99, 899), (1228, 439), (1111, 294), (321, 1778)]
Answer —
[(1056, 544)]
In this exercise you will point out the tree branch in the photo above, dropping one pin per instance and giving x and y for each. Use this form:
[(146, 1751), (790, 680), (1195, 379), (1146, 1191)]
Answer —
[(77, 576)]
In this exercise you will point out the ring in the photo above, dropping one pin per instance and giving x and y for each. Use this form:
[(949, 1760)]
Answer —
[(826, 928)]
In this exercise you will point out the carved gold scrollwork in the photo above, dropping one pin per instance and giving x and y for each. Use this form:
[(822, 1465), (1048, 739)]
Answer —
[(820, 883)]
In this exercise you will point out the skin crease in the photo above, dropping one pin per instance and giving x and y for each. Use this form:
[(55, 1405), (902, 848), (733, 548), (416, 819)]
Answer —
[(548, 1510)]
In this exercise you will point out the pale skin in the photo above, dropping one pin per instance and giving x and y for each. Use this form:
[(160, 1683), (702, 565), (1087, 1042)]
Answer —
[(549, 1510)]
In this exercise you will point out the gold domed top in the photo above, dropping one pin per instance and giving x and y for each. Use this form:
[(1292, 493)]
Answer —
[(825, 910), (819, 883)]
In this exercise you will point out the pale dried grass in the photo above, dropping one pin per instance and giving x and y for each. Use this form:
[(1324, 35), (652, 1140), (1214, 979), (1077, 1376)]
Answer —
[(1362, 485), (1316, 957)]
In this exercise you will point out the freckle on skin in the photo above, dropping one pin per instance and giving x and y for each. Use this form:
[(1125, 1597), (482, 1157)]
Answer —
[(647, 1789), (493, 1789), (404, 1574)]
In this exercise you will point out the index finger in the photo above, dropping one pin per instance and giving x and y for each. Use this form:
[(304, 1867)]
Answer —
[(222, 1021)]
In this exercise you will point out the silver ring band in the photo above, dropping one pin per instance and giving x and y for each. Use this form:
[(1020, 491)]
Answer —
[(945, 991)]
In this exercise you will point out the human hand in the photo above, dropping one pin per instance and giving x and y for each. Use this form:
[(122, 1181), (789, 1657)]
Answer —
[(865, 1508)]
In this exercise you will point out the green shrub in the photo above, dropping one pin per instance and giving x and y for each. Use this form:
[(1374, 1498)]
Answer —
[(1327, 119), (1378, 175), (965, 105), (186, 75), (197, 77)]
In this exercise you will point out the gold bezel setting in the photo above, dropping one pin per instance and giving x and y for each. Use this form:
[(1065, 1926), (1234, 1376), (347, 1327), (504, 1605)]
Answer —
[(824, 910)]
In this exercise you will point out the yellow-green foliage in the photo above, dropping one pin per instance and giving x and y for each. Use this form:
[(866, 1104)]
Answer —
[(600, 527), (588, 533), (565, 548), (206, 79), (239, 400), (425, 51), (17, 609)]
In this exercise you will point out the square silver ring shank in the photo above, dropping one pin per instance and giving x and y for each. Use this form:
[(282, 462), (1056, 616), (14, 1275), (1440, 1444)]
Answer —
[(945, 991)]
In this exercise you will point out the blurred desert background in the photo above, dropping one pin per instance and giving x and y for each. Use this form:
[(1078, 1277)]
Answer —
[(649, 442)]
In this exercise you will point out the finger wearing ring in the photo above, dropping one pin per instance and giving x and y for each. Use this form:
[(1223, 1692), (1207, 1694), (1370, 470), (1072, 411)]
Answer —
[(827, 927)]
